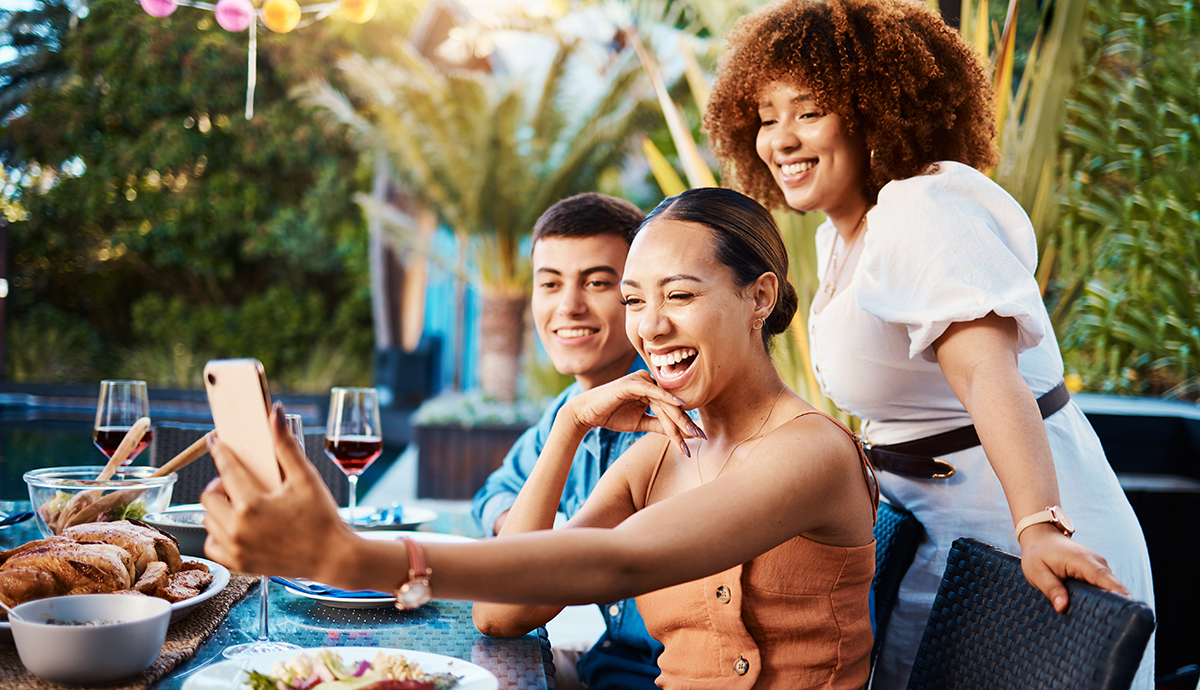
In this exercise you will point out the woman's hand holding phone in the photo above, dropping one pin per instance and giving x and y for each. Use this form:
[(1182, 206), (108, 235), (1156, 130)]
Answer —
[(291, 529), (240, 402)]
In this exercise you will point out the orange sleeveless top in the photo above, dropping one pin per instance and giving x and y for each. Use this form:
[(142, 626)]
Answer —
[(794, 617)]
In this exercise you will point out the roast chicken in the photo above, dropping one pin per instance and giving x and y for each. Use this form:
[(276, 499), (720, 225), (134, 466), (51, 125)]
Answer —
[(122, 557)]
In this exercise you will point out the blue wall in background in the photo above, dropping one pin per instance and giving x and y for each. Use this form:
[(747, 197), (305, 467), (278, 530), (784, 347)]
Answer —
[(441, 314)]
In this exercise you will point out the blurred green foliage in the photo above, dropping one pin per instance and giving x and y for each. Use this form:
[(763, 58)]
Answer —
[(161, 228), (1129, 240), (49, 345)]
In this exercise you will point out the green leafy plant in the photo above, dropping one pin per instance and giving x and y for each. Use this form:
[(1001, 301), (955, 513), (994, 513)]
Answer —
[(489, 154), (1130, 236), (474, 408), (46, 345), (155, 216)]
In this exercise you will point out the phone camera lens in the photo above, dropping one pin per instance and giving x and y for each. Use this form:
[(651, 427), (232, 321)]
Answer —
[(212, 379)]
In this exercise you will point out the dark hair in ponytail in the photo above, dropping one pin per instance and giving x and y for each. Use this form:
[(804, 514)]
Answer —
[(747, 241)]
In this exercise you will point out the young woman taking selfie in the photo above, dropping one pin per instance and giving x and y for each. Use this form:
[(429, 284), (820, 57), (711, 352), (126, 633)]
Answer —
[(763, 509)]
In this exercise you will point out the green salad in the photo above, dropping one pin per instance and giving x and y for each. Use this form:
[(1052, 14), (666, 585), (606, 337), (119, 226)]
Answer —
[(134, 510), (327, 671)]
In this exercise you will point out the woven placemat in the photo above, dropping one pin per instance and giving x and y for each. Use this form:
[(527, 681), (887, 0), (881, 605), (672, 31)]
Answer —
[(183, 638)]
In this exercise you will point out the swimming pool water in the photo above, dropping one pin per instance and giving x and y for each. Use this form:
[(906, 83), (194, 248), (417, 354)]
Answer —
[(30, 444)]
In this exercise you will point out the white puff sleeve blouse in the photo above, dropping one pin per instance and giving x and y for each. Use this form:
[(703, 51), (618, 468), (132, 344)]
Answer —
[(944, 247)]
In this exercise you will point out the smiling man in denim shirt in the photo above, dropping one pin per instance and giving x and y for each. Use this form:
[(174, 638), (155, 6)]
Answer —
[(579, 250)]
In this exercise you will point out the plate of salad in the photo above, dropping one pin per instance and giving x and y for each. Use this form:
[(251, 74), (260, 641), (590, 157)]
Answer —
[(344, 668)]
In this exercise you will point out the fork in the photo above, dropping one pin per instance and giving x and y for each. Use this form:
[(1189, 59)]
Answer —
[(15, 518)]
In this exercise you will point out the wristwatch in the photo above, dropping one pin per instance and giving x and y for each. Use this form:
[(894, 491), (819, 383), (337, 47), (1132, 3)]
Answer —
[(1054, 515), (415, 592)]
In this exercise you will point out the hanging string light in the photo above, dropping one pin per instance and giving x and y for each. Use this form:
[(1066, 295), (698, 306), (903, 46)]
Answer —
[(279, 16)]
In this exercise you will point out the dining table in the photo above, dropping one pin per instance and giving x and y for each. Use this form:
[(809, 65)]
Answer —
[(195, 642)]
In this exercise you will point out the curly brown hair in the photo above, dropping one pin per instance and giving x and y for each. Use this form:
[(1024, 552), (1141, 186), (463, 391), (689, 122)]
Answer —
[(892, 69)]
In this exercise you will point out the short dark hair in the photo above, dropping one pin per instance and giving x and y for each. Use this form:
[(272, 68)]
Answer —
[(916, 91), (747, 241), (587, 215)]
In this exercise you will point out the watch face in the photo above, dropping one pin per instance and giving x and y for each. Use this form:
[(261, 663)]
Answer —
[(414, 594), (1063, 522)]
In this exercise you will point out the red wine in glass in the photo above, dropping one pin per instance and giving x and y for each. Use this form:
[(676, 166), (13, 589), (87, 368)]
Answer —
[(353, 438), (108, 439), (120, 405), (354, 453)]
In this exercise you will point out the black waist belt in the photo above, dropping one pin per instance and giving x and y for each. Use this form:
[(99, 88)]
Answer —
[(919, 458)]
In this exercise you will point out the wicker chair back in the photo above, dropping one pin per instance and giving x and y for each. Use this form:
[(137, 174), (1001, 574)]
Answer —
[(991, 629)]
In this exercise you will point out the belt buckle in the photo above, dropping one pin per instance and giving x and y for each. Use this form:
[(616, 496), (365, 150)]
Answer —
[(945, 474)]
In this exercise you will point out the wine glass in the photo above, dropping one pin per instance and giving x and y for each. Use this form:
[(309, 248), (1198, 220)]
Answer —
[(353, 438), (121, 404), (264, 643)]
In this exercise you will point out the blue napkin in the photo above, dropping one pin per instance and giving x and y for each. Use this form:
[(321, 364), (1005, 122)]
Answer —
[(326, 591)]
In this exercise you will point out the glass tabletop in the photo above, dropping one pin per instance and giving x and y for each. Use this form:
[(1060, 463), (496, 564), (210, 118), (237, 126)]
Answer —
[(440, 627)]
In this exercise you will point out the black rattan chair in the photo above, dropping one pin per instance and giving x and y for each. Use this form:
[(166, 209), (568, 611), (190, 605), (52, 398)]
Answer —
[(170, 439), (991, 629), (897, 535)]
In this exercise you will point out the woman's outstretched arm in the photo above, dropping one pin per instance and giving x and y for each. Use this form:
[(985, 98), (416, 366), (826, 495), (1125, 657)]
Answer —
[(805, 478), (979, 359)]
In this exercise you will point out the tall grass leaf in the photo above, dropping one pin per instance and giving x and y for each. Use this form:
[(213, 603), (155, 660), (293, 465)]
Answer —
[(695, 76), (694, 166), (666, 177)]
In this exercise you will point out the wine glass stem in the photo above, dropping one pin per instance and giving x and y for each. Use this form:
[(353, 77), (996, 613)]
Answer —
[(353, 497), (263, 631)]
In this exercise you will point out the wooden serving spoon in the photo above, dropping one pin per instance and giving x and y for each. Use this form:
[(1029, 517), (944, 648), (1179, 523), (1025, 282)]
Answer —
[(103, 505), (185, 458), (81, 501)]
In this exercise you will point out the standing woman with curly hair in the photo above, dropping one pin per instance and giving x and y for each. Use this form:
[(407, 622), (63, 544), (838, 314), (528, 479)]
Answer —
[(929, 323)]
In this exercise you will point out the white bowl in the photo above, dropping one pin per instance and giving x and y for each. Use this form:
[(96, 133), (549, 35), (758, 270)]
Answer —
[(185, 523), (122, 637)]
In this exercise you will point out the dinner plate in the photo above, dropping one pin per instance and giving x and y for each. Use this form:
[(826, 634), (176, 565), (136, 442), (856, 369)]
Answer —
[(409, 518), (179, 609), (232, 674), (359, 601)]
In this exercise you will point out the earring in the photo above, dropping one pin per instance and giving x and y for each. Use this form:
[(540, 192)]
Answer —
[(758, 323)]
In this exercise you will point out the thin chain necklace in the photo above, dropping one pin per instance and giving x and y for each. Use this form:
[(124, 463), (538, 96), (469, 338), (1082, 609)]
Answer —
[(831, 284), (731, 452)]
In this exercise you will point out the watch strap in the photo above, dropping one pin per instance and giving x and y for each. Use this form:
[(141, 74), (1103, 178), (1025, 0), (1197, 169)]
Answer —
[(415, 592), (1055, 515)]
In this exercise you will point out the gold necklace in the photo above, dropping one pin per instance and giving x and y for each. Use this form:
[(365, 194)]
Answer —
[(731, 452), (831, 284)]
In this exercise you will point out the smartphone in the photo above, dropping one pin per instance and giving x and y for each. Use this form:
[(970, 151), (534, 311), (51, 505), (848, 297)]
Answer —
[(241, 405)]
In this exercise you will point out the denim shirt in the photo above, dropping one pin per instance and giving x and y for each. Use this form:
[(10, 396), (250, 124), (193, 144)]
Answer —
[(625, 655)]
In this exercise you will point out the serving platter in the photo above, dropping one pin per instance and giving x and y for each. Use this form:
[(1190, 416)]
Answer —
[(179, 609), (220, 575)]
